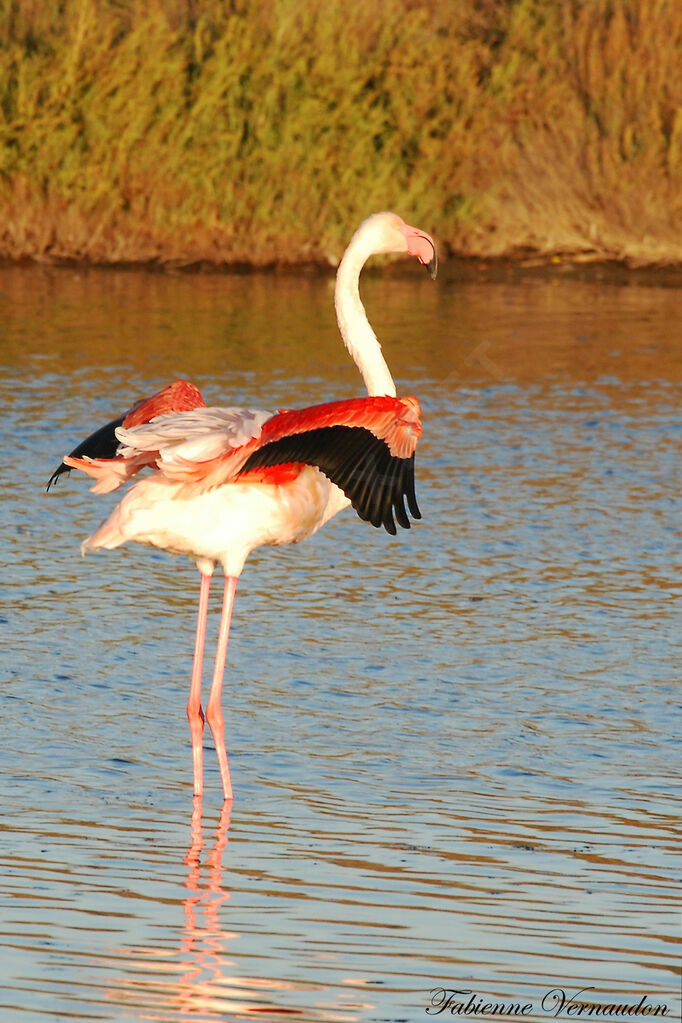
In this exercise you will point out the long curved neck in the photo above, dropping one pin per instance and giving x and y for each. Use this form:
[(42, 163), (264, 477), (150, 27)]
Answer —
[(358, 336)]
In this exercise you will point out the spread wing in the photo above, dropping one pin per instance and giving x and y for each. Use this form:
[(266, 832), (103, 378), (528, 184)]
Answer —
[(376, 482), (101, 447), (363, 445)]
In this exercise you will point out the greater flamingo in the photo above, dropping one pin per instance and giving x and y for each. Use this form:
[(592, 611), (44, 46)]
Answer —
[(227, 480)]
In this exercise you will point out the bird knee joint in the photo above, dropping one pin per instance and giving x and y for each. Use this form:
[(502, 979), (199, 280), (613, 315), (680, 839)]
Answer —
[(214, 716), (195, 713)]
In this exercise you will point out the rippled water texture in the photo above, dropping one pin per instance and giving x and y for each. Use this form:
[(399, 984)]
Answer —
[(456, 753)]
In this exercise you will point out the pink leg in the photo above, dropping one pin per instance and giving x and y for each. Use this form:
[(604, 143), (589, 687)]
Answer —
[(214, 714), (194, 712)]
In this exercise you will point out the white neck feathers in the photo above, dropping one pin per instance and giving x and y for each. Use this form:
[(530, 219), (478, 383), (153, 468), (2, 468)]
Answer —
[(357, 334)]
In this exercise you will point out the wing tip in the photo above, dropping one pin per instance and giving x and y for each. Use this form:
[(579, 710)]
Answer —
[(55, 476)]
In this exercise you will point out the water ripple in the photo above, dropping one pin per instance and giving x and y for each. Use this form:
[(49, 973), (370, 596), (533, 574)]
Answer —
[(456, 752)]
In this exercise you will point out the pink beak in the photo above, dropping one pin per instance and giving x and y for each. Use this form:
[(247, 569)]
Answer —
[(422, 245)]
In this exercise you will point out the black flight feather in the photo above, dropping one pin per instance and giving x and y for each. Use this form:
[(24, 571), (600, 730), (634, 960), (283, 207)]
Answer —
[(100, 444)]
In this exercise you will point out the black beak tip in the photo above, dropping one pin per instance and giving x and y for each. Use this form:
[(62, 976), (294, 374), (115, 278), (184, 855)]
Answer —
[(432, 267)]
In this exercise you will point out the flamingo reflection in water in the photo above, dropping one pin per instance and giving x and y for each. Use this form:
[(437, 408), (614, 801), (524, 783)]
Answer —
[(202, 981), (205, 941)]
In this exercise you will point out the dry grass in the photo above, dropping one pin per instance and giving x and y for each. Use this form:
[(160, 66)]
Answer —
[(184, 131)]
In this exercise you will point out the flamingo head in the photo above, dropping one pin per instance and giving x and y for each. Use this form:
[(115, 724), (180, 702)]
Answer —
[(390, 233)]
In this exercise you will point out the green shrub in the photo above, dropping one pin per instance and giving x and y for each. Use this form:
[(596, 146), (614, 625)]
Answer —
[(185, 131)]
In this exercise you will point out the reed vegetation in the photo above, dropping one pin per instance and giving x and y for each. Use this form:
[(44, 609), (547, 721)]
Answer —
[(262, 131)]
